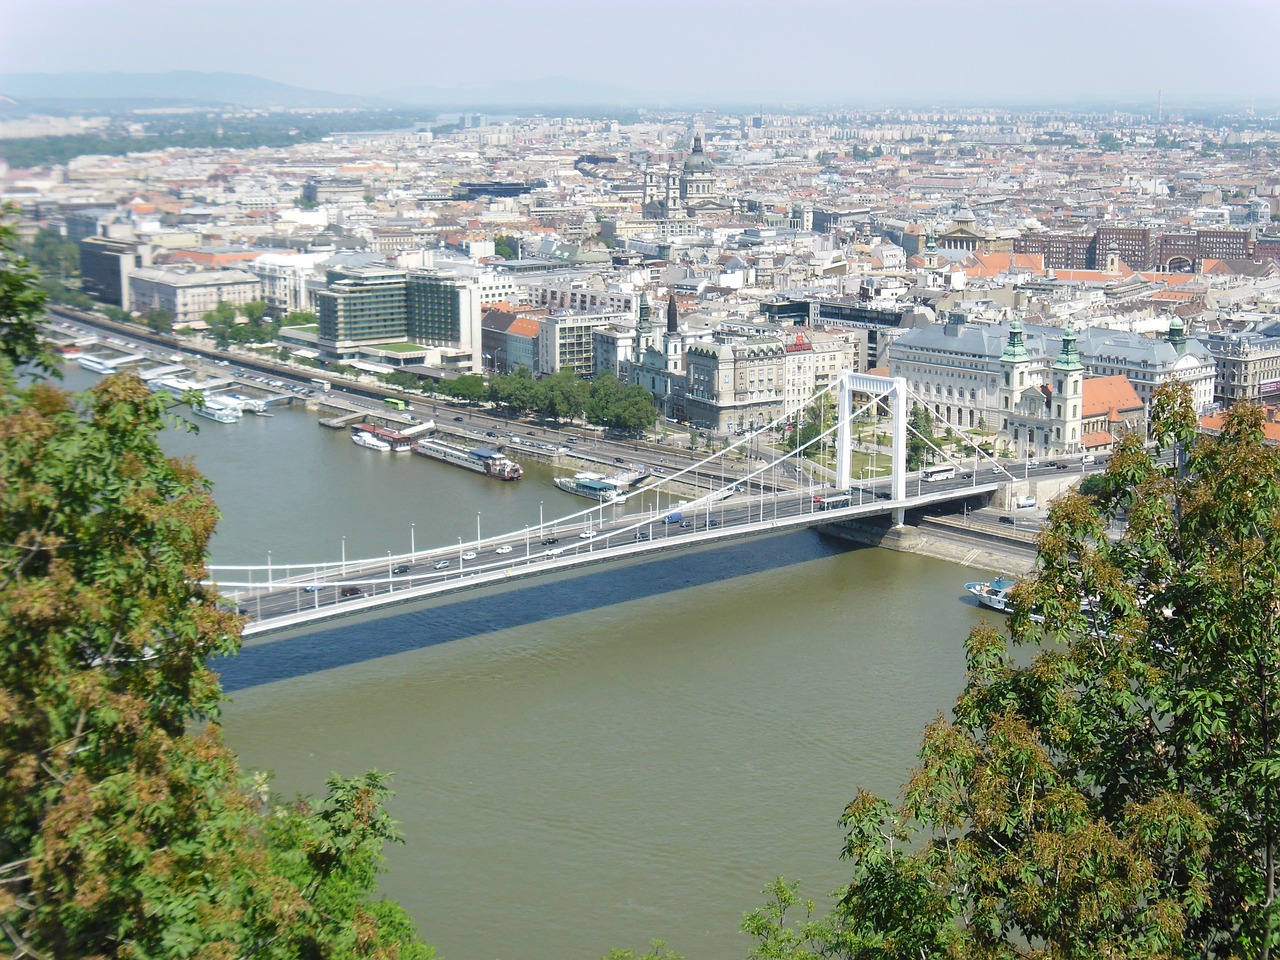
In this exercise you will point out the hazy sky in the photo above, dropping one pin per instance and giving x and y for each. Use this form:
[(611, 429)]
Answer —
[(799, 50)]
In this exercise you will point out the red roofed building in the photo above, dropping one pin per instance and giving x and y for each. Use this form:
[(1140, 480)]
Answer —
[(1212, 424), (1110, 409)]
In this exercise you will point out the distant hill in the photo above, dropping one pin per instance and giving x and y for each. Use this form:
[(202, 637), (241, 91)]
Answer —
[(544, 91), (177, 88)]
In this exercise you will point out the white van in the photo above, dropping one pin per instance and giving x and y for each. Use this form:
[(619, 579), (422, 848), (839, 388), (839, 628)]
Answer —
[(1088, 458)]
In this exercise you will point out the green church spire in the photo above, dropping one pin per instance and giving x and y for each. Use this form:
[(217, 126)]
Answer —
[(1015, 349)]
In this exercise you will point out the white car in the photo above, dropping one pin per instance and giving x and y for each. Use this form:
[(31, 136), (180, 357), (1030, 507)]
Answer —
[(469, 555), (505, 548), (586, 534), (441, 564)]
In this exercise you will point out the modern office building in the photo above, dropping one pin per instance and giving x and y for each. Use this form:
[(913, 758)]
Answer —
[(444, 310), (105, 265), (361, 305)]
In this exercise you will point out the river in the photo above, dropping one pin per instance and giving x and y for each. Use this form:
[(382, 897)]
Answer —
[(591, 762)]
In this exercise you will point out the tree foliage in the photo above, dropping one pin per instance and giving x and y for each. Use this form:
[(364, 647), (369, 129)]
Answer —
[(919, 436), (606, 401), (1109, 783), (21, 301), (126, 826)]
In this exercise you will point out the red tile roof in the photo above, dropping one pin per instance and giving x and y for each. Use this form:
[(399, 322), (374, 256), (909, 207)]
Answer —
[(1108, 396)]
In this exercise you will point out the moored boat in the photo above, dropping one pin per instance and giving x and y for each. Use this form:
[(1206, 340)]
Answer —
[(590, 485), (396, 442), (994, 594), (369, 441), (216, 412), (491, 463)]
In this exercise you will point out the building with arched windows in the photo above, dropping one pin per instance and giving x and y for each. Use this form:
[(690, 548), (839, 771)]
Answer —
[(1025, 385)]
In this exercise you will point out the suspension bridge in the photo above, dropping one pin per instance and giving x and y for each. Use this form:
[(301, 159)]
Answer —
[(683, 510)]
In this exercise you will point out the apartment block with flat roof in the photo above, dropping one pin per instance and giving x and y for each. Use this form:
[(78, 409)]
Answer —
[(362, 306), (188, 294)]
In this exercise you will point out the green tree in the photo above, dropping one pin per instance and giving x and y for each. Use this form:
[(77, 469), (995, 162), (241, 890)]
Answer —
[(21, 304), (298, 318), (254, 311), (563, 395), (635, 411), (519, 392), (505, 247), (401, 379), (126, 826), (469, 387), (160, 320), (603, 398), (919, 436), (1109, 783)]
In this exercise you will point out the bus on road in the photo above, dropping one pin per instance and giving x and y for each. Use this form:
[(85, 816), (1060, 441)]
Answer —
[(393, 403), (942, 472), (321, 385), (833, 501)]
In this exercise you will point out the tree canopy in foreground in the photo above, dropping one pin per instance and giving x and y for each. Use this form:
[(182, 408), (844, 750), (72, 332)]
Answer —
[(1109, 783), (126, 826)]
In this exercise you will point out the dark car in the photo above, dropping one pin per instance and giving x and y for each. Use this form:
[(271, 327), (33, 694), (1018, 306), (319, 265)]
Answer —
[(403, 568), (351, 592), (457, 419), (642, 535), (550, 540), (490, 433), (1008, 520), (619, 460), (712, 522), (1055, 464), (1064, 466)]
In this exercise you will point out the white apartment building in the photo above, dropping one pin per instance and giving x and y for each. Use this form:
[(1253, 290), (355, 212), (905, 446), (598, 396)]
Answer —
[(567, 341), (289, 281), (586, 297), (188, 294)]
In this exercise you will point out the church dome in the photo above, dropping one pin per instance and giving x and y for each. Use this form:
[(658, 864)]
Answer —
[(697, 161)]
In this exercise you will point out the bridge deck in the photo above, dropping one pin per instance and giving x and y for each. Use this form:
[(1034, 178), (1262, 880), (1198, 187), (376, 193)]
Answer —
[(316, 596)]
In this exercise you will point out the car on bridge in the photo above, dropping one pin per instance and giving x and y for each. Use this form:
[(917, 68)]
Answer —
[(311, 588), (402, 568), (441, 564), (351, 592), (550, 540), (505, 548), (469, 555)]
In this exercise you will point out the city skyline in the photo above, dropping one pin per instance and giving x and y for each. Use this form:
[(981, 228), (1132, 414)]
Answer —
[(816, 52)]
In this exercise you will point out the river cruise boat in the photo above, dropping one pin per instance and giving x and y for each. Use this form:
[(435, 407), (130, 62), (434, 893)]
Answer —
[(492, 463), (396, 442), (217, 412), (593, 486), (370, 442)]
